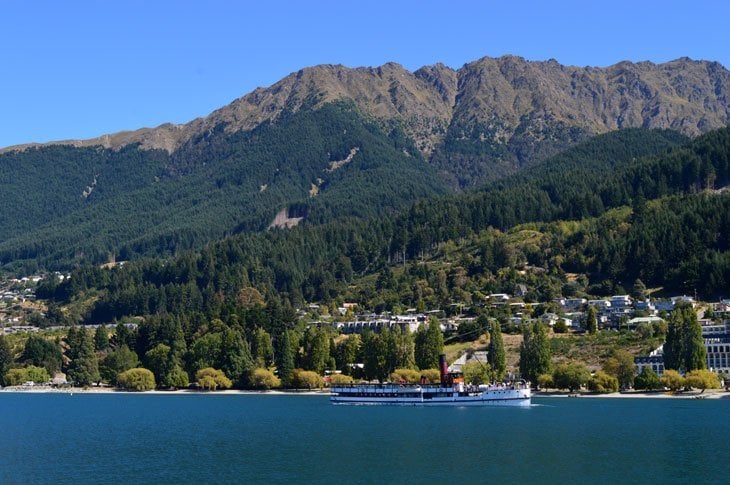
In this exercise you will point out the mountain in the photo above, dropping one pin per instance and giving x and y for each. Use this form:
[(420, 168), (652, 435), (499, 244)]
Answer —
[(331, 142), (491, 117), (649, 217), (67, 205)]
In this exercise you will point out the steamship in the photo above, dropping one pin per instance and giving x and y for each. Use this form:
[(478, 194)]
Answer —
[(451, 391)]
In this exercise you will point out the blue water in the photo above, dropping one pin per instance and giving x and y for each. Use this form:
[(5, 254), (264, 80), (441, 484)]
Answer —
[(132, 438)]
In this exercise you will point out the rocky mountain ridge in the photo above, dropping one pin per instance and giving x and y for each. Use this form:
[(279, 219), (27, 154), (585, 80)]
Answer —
[(491, 99)]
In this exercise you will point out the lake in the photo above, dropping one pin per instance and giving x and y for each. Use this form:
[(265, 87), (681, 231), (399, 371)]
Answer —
[(123, 438)]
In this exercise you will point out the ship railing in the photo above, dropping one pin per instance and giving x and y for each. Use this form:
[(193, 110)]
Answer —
[(392, 385), (521, 384), (385, 386)]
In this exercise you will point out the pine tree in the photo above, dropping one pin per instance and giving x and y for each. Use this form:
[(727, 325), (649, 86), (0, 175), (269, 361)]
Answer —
[(235, 357), (6, 357), (591, 321), (638, 291), (496, 355), (84, 367), (284, 359), (101, 339)]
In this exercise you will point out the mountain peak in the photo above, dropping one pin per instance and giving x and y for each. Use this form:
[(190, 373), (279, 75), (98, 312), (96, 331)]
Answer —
[(508, 93)]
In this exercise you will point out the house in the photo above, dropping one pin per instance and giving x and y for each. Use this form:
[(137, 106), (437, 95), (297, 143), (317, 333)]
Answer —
[(549, 318), (664, 305), (645, 305), (638, 320), (654, 361), (520, 290), (498, 298), (574, 303), (620, 301), (600, 304), (573, 319)]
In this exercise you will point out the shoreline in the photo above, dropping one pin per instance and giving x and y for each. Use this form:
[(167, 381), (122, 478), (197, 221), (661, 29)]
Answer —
[(708, 394), (157, 392)]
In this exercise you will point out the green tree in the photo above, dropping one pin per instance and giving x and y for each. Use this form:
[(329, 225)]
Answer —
[(264, 379), (702, 379), (307, 379), (374, 356), (476, 373), (337, 379), (84, 367), (545, 381), (178, 378), (674, 344), (432, 376), (18, 375), (347, 352), (535, 353), (39, 375), (684, 348), (122, 336), (560, 326), (496, 356), (161, 362), (285, 359), (116, 362), (205, 352), (429, 344), (41, 352), (591, 320), (15, 377), (603, 382), (212, 379), (621, 366), (263, 350), (638, 291), (410, 376), (137, 379), (404, 349), (316, 349), (6, 357), (101, 339), (571, 376), (695, 352), (235, 358), (648, 380), (673, 380)]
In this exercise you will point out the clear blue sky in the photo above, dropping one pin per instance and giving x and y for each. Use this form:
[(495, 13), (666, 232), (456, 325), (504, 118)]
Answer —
[(79, 69)]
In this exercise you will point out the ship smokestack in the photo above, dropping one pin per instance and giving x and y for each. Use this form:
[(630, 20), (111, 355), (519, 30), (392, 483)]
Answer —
[(444, 368)]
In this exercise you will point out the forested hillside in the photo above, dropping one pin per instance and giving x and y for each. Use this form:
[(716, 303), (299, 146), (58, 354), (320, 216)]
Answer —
[(330, 141), (314, 164), (606, 234)]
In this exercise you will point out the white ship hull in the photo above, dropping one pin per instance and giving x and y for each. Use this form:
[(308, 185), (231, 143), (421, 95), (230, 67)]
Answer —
[(394, 395)]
